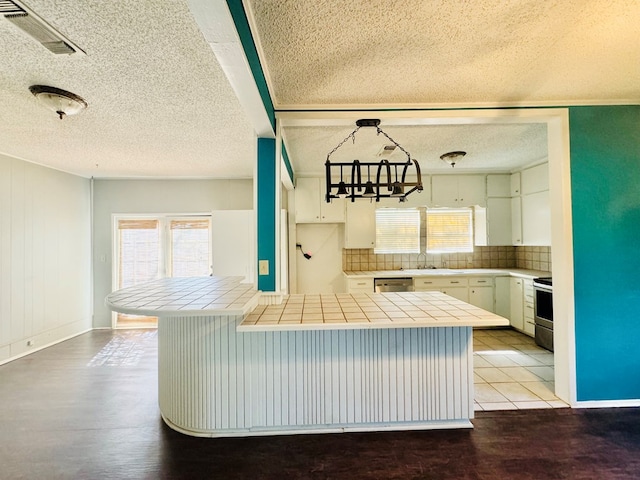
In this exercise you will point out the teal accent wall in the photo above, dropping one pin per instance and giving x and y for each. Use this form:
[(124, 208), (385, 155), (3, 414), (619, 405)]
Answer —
[(287, 163), (266, 210), (605, 185)]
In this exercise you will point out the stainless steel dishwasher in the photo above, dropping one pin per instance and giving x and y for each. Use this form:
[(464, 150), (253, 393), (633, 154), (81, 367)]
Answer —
[(404, 284)]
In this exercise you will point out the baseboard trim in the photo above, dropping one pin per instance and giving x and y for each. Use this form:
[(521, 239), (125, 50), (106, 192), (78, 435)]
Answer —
[(608, 403), (42, 347)]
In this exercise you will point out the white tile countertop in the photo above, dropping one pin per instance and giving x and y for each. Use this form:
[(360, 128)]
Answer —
[(190, 296), (426, 272), (368, 310)]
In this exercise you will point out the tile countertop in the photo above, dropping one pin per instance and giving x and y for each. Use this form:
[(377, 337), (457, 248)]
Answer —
[(190, 296), (427, 272), (366, 311)]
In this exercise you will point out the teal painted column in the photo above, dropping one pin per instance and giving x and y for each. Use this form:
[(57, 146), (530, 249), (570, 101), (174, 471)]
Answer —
[(266, 210), (605, 179)]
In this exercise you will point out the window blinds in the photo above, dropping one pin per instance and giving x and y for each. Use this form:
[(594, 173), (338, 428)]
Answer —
[(397, 230), (449, 230), (139, 249)]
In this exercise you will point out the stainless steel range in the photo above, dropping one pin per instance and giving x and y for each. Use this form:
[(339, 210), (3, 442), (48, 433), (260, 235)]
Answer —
[(543, 311)]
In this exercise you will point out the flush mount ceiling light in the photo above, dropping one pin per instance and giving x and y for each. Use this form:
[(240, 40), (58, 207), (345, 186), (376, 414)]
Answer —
[(60, 101), (452, 157), (385, 184)]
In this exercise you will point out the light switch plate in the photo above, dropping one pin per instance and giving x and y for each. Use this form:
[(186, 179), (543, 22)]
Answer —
[(263, 267)]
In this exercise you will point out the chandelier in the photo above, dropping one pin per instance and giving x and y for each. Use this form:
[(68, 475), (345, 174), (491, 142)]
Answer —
[(371, 180)]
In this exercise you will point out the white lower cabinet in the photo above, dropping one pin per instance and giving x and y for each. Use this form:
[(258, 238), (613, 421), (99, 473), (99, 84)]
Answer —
[(529, 322), (503, 296), (360, 285), (457, 287), (481, 293), (516, 295)]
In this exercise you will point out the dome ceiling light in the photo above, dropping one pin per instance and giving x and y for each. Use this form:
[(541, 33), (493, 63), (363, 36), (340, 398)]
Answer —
[(452, 157), (60, 101), (390, 178)]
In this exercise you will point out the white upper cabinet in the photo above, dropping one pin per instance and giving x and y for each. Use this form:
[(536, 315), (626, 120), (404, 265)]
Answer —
[(536, 215), (311, 206), (458, 190), (515, 184), (360, 226), (516, 221), (498, 185), (499, 221), (535, 179)]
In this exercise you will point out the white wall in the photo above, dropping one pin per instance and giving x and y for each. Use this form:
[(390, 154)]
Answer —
[(152, 197), (45, 253), (322, 273)]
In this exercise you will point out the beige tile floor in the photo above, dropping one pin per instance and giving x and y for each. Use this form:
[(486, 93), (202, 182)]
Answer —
[(511, 372)]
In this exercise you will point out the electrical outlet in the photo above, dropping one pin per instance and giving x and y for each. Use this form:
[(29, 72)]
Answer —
[(263, 267)]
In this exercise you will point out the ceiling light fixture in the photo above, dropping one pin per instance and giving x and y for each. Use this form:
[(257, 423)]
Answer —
[(384, 186), (60, 101), (452, 157)]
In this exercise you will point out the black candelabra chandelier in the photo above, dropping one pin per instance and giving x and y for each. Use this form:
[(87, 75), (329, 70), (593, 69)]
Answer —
[(389, 180)]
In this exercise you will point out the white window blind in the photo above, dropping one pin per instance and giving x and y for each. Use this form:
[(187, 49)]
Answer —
[(449, 230), (397, 230), (139, 248), (190, 252)]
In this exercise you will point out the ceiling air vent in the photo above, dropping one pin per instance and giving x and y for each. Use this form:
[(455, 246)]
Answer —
[(386, 150), (37, 28)]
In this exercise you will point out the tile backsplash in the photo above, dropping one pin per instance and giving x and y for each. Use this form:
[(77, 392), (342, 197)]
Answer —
[(530, 258)]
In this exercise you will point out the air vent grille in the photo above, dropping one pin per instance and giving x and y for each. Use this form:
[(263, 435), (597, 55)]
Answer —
[(37, 28), (7, 6)]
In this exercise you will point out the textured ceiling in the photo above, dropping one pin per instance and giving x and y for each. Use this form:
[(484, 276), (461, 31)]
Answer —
[(328, 53), (159, 104), (490, 148)]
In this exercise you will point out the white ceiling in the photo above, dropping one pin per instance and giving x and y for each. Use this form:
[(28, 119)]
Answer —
[(160, 105)]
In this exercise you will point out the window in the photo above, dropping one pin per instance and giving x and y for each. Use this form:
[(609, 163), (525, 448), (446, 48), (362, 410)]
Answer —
[(397, 230), (156, 247), (449, 230)]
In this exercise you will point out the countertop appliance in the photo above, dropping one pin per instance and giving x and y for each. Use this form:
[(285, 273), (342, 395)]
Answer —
[(403, 284), (543, 311)]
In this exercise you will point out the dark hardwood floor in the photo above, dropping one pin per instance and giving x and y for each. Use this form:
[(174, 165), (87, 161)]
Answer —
[(87, 409)]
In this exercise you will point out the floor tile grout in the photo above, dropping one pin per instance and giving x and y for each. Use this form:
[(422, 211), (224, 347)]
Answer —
[(497, 354)]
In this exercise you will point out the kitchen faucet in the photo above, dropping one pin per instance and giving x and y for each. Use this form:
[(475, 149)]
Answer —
[(424, 264)]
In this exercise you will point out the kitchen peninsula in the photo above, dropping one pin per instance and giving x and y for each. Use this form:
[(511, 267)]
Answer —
[(229, 366)]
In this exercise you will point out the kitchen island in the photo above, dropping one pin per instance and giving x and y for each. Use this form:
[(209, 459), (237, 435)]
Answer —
[(228, 366)]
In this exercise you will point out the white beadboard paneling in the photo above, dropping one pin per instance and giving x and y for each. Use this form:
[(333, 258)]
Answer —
[(45, 241), (290, 381)]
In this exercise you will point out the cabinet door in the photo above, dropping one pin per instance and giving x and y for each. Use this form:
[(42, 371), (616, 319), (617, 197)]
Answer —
[(517, 303), (503, 296), (516, 221), (360, 226), (535, 179), (515, 184), (536, 219), (444, 191), (499, 227), (499, 185), (461, 293), (307, 194), (472, 190), (333, 212), (482, 297)]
